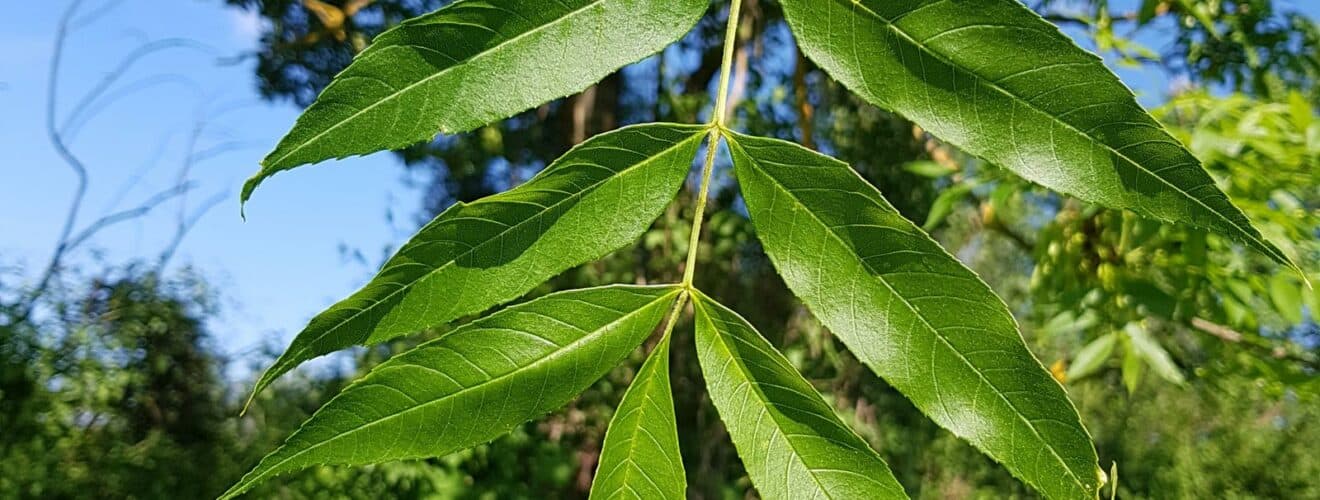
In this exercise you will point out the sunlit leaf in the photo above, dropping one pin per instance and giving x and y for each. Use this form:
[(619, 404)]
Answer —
[(475, 383), (999, 82), (789, 439), (600, 196), (640, 457), (912, 313), (471, 63)]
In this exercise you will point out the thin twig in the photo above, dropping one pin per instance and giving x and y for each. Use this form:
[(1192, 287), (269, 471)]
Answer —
[(126, 64), (129, 214), (186, 226), (79, 171), (1235, 337)]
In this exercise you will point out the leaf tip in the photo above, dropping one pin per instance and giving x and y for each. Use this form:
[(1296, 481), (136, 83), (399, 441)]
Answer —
[(248, 187), (251, 397), (262, 383)]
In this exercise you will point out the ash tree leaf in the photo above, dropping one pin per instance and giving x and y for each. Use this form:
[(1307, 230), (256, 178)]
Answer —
[(999, 82), (789, 439), (1146, 348), (597, 198), (944, 205), (475, 383), (912, 313), (472, 63), (640, 457), (1132, 366), (1092, 357)]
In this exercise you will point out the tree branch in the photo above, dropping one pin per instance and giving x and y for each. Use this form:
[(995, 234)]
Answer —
[(1235, 337), (126, 215)]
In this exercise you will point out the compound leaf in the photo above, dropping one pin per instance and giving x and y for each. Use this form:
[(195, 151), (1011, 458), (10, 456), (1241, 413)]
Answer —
[(640, 457), (471, 63), (789, 439), (475, 383), (597, 198), (999, 82), (912, 313)]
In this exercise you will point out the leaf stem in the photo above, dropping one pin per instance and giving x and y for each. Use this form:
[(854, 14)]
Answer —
[(718, 117), (679, 302), (712, 147), (730, 39)]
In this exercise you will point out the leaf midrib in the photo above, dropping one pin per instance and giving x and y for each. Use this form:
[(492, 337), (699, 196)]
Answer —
[(1256, 240), (917, 312), (500, 234), (556, 354), (461, 63), (797, 455)]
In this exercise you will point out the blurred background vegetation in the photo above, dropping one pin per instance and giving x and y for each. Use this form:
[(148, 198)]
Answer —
[(1192, 360)]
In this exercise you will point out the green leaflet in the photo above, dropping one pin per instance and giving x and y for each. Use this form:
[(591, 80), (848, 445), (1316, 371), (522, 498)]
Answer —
[(597, 198), (1155, 356), (912, 313), (999, 82), (475, 383), (1092, 357), (640, 457), (789, 439), (471, 63)]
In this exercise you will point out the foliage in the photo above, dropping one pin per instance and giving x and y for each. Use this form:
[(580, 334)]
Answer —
[(117, 392), (1253, 46), (1104, 149)]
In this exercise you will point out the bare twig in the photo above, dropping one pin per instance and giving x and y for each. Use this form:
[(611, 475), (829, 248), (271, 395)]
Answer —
[(1221, 331), (57, 131), (1235, 337), (186, 225), (124, 215), (124, 66), (79, 117), (93, 16), (79, 170)]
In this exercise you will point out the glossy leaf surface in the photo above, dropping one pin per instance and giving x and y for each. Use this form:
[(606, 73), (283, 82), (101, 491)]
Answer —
[(789, 439), (999, 82), (599, 197), (471, 63), (912, 313), (640, 457), (475, 383)]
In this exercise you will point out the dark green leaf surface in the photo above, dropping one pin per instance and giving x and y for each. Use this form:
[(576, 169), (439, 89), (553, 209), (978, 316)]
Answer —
[(599, 197), (640, 457), (475, 383), (471, 63), (912, 313), (996, 80), (789, 439)]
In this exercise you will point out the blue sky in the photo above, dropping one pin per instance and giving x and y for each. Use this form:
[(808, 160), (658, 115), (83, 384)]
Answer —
[(275, 270), (282, 265)]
